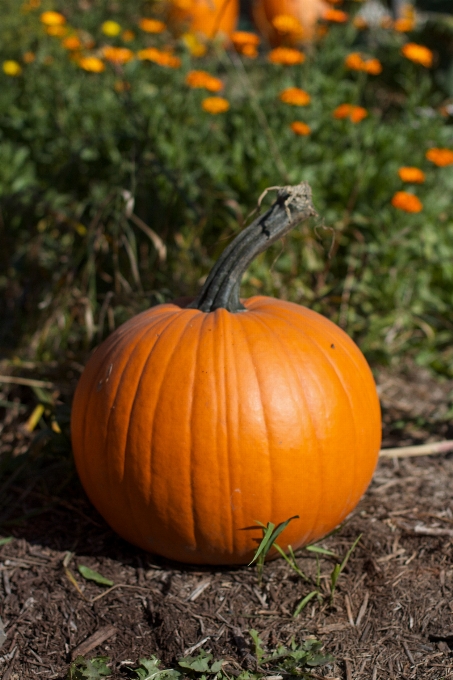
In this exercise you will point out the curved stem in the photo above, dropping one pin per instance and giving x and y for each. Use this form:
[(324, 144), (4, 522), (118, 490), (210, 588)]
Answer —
[(221, 289)]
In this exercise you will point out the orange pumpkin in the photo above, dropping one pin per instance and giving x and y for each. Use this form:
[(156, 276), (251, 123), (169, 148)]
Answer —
[(206, 17), (191, 423), (273, 19)]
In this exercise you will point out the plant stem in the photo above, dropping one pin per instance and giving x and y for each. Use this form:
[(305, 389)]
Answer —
[(221, 289)]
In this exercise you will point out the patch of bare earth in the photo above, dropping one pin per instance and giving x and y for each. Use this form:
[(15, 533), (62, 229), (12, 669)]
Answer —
[(391, 617)]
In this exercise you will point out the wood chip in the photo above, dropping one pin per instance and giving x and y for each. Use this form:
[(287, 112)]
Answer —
[(362, 609), (196, 592), (93, 641)]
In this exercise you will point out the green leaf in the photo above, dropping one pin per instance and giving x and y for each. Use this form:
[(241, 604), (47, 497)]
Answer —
[(149, 670), (259, 650), (5, 541), (95, 669), (92, 575), (303, 603), (198, 664), (321, 551)]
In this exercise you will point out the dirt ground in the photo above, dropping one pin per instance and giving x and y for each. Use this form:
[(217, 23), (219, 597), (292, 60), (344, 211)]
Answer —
[(391, 617)]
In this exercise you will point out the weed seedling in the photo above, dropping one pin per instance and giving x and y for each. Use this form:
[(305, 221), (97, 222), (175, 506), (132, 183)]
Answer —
[(270, 534)]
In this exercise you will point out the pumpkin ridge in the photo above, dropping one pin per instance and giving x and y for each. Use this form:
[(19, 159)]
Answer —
[(265, 420), (314, 423), (149, 329), (91, 386), (169, 359)]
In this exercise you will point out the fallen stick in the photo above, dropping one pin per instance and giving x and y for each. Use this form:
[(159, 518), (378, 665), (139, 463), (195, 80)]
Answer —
[(420, 450), (30, 382)]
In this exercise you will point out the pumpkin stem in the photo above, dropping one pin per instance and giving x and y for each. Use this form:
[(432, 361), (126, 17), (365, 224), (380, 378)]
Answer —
[(221, 289)]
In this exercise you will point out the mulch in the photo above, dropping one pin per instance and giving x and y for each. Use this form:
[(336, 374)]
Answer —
[(391, 616)]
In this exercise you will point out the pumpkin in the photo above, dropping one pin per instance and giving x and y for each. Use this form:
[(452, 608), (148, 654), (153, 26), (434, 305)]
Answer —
[(206, 17), (305, 14), (193, 422)]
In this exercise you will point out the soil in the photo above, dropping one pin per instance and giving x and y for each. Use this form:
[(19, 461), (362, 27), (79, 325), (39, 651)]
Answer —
[(391, 616)]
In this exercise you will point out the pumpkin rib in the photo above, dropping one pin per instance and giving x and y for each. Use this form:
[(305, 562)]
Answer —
[(313, 422), (149, 330), (264, 420), (224, 323), (90, 383), (129, 480), (185, 322)]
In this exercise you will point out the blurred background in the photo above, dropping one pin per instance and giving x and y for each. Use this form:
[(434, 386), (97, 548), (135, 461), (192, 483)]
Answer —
[(135, 139)]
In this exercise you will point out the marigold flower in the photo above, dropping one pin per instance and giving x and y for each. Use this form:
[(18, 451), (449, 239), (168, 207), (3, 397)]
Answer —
[(29, 57), (241, 38), (12, 68), (111, 28), (419, 54), (56, 31), (52, 19), (300, 128), (203, 79), (158, 57), (128, 35), (360, 23), (414, 175), (404, 25), (440, 157), (354, 113), (249, 51), (295, 96), (337, 16), (152, 25), (356, 62), (215, 105), (287, 56), (386, 22), (72, 42), (117, 55), (286, 23), (407, 202), (194, 45), (92, 64)]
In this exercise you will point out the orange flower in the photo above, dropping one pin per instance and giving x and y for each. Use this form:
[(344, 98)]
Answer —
[(162, 58), (28, 57), (386, 22), (360, 23), (56, 31), (72, 42), (414, 175), (121, 86), (249, 51), (407, 202), (357, 63), (335, 15), (117, 55), (404, 25), (241, 38), (215, 105), (419, 54), (287, 56), (354, 61), (152, 25), (354, 113), (203, 79), (92, 64), (245, 43), (128, 35), (300, 128), (52, 19), (440, 157), (288, 24), (295, 96)]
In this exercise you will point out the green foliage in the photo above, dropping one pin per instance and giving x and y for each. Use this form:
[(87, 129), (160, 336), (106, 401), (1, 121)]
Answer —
[(82, 155), (295, 660), (92, 575), (270, 534), (97, 668)]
